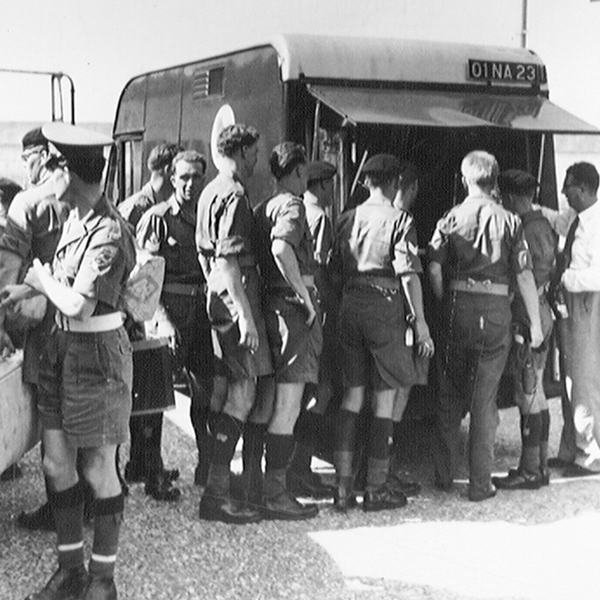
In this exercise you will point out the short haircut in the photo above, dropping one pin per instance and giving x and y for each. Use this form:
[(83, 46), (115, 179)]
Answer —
[(8, 190), (409, 174), (285, 157), (86, 161), (189, 156), (162, 156), (480, 168), (584, 174), (235, 137)]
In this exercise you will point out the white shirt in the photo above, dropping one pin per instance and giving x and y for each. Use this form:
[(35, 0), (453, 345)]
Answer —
[(583, 274)]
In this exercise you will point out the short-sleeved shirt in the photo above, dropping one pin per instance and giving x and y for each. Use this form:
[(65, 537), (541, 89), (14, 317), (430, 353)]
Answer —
[(481, 240), (320, 229), (375, 238), (542, 242), (33, 227), (167, 230), (135, 206), (225, 225), (283, 217), (95, 256), (34, 224)]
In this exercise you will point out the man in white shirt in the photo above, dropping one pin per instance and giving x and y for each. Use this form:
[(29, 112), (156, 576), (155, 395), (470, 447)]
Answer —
[(580, 330)]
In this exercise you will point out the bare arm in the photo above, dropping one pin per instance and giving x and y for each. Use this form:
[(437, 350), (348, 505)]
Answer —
[(230, 268), (529, 294), (414, 295), (287, 263), (69, 302)]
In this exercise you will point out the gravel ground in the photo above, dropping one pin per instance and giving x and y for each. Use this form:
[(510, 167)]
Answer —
[(167, 553)]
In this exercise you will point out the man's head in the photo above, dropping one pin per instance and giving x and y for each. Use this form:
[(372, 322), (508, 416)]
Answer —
[(408, 185), (320, 181), (581, 185), (81, 163), (480, 169), (161, 157), (383, 171), (288, 163), (8, 190), (187, 176), (34, 154), (239, 142), (517, 189)]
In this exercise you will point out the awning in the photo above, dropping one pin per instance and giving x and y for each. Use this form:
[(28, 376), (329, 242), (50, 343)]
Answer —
[(451, 109)]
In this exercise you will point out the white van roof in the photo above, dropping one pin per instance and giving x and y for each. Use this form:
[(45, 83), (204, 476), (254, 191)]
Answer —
[(389, 59)]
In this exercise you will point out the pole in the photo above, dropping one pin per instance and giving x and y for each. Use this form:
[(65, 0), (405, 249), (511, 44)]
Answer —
[(524, 25)]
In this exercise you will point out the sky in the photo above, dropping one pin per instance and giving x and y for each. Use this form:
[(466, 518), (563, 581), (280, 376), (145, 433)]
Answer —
[(101, 45)]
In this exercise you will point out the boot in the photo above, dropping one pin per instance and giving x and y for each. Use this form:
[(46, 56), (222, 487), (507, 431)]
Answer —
[(383, 498), (280, 504), (65, 584), (301, 479), (345, 497), (100, 588)]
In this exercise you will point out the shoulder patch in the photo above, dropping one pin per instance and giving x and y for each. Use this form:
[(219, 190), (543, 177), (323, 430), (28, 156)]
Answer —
[(104, 259)]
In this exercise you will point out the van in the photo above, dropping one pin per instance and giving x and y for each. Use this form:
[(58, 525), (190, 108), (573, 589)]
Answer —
[(348, 98)]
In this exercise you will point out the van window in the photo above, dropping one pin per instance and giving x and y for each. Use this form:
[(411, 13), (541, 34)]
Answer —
[(124, 176)]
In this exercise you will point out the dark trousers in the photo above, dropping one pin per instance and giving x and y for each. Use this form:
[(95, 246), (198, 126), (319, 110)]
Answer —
[(476, 348)]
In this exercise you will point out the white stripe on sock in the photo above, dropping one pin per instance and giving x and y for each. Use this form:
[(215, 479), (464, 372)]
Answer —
[(104, 559), (70, 547)]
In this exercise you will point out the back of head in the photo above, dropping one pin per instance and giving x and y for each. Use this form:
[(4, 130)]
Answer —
[(189, 156), (409, 174), (285, 157), (480, 168), (235, 137), (584, 174), (34, 138), (162, 155), (381, 169), (515, 181), (8, 190)]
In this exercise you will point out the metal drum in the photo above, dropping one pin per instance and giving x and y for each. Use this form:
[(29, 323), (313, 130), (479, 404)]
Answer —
[(152, 376)]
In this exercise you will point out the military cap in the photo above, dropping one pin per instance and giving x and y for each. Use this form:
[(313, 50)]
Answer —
[(319, 170), (517, 182), (34, 138), (384, 164), (63, 135)]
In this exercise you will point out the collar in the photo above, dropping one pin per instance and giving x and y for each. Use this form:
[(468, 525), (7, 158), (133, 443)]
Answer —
[(590, 214), (76, 228), (532, 215), (174, 205)]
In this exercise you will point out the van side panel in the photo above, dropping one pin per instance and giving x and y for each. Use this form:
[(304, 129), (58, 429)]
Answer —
[(252, 87)]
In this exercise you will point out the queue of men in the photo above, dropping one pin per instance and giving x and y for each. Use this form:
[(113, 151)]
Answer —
[(275, 321)]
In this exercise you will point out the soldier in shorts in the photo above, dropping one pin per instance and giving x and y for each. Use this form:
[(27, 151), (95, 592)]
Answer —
[(86, 370), (286, 258), (225, 249), (375, 275)]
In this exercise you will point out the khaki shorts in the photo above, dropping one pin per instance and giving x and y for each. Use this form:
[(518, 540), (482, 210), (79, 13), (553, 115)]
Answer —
[(85, 382), (295, 347)]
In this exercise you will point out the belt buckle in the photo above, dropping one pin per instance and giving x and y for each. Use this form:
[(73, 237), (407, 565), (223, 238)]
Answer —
[(487, 283)]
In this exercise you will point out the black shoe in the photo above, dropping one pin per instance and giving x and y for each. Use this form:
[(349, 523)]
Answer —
[(404, 486), (481, 495), (138, 474), (575, 470), (285, 507), (308, 484), (518, 480), (227, 510), (558, 463), (162, 489), (65, 584), (11, 473), (383, 498), (39, 519), (344, 500), (100, 588)]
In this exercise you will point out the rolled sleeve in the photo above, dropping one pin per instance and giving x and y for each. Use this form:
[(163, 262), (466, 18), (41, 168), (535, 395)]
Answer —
[(406, 251), (233, 226), (289, 223), (520, 258), (150, 232)]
